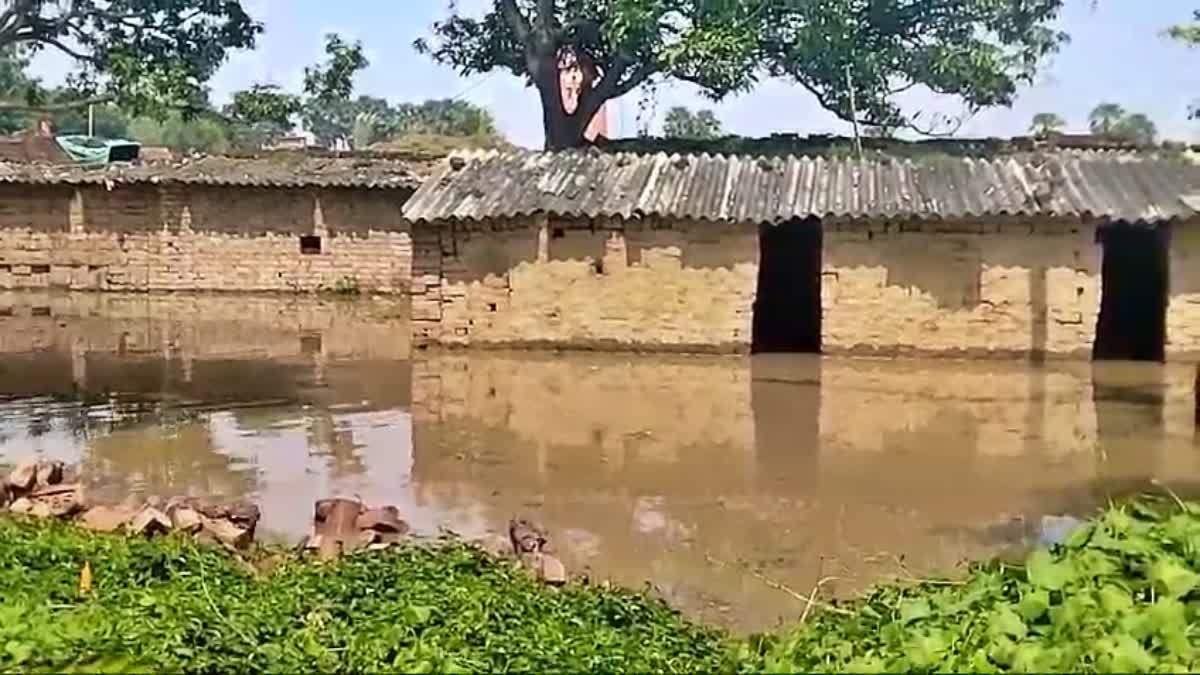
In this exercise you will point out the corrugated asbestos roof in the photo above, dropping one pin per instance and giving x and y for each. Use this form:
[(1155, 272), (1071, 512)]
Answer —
[(591, 184), (282, 170)]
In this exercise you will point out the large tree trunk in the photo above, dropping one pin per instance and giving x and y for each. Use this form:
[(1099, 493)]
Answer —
[(562, 130)]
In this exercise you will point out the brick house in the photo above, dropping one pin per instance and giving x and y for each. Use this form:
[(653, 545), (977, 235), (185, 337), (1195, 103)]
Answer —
[(1060, 254), (274, 223)]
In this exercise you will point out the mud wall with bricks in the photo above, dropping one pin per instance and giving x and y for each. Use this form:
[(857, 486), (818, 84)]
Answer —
[(203, 238)]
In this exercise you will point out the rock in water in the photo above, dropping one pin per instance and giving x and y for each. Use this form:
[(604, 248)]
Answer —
[(186, 519), (525, 536), (227, 533), (552, 571), (385, 519), (149, 521), (60, 501), (23, 478), (106, 518), (48, 473)]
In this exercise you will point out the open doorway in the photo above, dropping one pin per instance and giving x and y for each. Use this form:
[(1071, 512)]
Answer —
[(1133, 294), (787, 305)]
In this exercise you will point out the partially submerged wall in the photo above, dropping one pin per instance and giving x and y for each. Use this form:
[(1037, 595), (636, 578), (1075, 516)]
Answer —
[(987, 289), (203, 238), (530, 283), (996, 290)]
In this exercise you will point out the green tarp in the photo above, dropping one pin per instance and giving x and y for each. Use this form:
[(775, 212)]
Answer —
[(90, 150)]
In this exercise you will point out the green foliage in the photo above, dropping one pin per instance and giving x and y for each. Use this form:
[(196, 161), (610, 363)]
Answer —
[(199, 134), (15, 85), (680, 122), (1045, 124), (1112, 121), (167, 606), (1119, 595), (148, 56), (1187, 33), (326, 97), (977, 50)]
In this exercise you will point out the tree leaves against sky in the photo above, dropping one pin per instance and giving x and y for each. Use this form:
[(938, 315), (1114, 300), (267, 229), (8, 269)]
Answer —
[(976, 50)]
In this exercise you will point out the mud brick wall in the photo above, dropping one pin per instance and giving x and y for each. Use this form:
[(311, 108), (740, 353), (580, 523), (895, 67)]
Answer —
[(1183, 310), (203, 238), (585, 285), (987, 289)]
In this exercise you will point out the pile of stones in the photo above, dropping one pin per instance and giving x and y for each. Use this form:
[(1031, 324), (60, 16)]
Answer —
[(46, 489)]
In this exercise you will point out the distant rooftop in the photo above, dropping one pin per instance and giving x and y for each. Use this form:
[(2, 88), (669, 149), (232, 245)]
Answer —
[(267, 169), (782, 145)]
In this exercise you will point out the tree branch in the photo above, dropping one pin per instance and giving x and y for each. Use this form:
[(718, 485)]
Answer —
[(639, 76), (514, 19)]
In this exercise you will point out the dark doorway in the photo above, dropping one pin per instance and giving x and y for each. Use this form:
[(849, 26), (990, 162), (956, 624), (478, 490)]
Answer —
[(1133, 296), (787, 305)]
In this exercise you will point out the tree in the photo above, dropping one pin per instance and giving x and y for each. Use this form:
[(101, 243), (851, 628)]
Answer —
[(1136, 128), (680, 122), (977, 50), (1046, 124), (15, 84), (148, 56), (1187, 33), (327, 86), (1104, 118), (198, 134), (444, 117)]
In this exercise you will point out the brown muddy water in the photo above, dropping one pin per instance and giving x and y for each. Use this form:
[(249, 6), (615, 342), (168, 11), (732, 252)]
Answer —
[(730, 485)]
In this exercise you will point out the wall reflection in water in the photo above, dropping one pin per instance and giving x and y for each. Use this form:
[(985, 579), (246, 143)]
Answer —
[(703, 475)]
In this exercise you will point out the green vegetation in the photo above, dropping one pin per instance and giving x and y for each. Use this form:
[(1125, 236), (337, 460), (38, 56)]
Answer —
[(680, 122), (168, 606), (976, 50), (1121, 594)]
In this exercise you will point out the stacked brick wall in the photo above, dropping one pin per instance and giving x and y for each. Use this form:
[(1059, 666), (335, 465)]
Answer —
[(148, 238), (968, 289), (1012, 289), (530, 284)]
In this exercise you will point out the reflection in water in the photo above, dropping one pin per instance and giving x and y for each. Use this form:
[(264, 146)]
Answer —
[(703, 476)]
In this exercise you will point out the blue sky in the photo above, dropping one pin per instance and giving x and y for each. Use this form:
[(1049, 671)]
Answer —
[(1116, 54)]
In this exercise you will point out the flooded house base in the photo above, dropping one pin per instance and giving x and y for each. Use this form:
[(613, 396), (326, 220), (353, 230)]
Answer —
[(1070, 256)]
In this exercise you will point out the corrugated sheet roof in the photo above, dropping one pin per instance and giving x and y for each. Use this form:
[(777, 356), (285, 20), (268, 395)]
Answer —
[(588, 183), (282, 170)]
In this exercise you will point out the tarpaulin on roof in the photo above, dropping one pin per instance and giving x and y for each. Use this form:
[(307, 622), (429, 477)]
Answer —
[(91, 150)]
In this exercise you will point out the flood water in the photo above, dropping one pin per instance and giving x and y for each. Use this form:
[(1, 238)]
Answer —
[(730, 485)]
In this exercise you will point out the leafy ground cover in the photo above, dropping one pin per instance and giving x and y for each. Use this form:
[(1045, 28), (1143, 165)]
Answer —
[(1121, 594)]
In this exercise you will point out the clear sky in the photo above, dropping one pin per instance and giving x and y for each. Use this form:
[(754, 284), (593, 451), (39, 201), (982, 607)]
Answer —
[(1116, 54)]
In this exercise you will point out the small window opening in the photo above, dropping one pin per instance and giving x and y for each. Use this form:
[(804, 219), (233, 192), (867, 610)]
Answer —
[(39, 269), (6, 311), (310, 343), (40, 311), (310, 244), (557, 233)]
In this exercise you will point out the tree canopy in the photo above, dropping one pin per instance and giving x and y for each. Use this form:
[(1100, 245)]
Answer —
[(680, 122), (1187, 33), (977, 50), (1113, 121), (1045, 124), (149, 55)]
